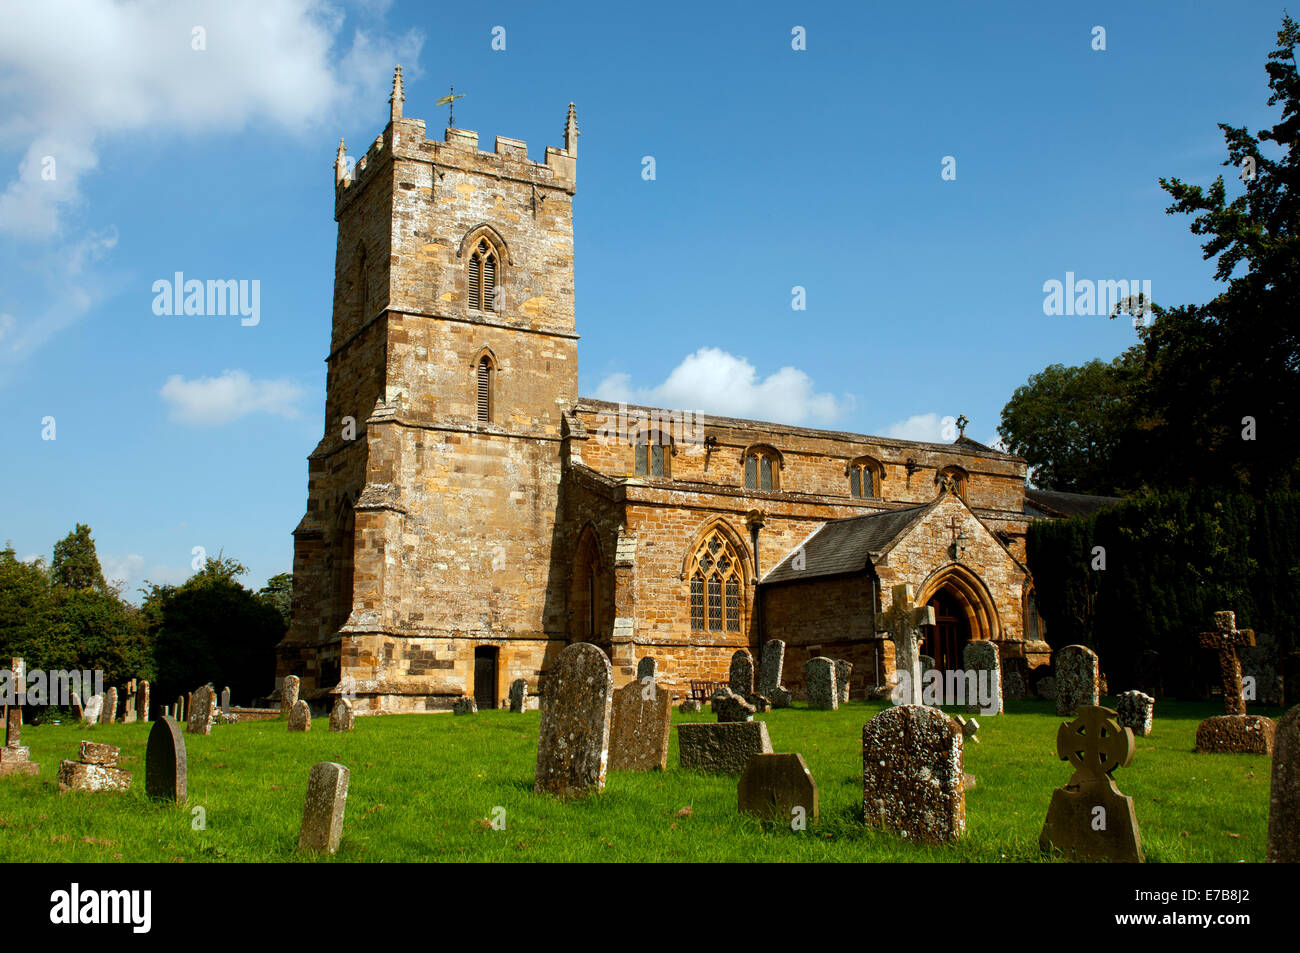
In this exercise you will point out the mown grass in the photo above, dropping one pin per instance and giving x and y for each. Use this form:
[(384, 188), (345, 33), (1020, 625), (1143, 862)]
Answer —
[(425, 787)]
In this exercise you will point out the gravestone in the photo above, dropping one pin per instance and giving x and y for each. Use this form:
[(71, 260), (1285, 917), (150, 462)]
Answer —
[(464, 705), (94, 708), (203, 701), (770, 671), (519, 695), (94, 770), (778, 787), (646, 668), (1089, 819), (1284, 792), (225, 697), (1224, 640), (109, 715), (843, 675), (690, 706), (741, 676), (142, 702), (728, 706), (300, 716), (913, 774), (1013, 686), (15, 757), (1262, 664), (288, 694), (178, 710), (129, 713), (322, 812), (819, 682), (165, 765), (573, 743), (1135, 711), (903, 622), (1240, 734), (722, 747), (981, 657), (1235, 731), (640, 721), (78, 711), (1077, 679), (341, 715)]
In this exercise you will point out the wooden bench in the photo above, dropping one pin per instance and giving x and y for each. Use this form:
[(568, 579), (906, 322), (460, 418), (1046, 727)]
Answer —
[(703, 691)]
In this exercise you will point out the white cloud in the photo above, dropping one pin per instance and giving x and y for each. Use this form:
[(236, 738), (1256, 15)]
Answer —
[(122, 569), (211, 401), (925, 427), (713, 381)]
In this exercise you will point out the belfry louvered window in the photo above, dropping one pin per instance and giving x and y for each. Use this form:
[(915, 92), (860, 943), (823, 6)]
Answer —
[(485, 390), (715, 586), (483, 277)]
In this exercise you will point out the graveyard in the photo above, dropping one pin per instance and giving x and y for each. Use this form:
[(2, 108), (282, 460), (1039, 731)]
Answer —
[(450, 788)]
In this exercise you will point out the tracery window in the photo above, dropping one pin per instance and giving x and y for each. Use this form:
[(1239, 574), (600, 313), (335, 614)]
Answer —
[(715, 575), (483, 268)]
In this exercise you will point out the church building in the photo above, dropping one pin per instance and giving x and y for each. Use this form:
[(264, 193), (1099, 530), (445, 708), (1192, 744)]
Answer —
[(469, 514)]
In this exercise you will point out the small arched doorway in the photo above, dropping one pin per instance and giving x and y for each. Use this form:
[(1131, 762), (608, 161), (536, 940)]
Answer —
[(945, 641), (587, 595)]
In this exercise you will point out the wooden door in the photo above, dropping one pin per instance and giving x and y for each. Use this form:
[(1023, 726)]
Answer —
[(485, 677)]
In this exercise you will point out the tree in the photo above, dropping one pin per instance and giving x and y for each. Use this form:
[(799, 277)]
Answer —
[(1071, 424), (75, 563), (278, 591)]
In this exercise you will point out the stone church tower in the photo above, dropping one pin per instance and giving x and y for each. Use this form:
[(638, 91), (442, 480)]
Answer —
[(421, 565)]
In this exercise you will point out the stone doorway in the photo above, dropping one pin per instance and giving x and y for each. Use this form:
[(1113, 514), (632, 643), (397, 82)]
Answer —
[(945, 641), (485, 676)]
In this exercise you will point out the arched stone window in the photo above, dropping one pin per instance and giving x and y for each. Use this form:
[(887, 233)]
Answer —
[(960, 480), (653, 452), (762, 468), (484, 269), (485, 378), (865, 474), (716, 576)]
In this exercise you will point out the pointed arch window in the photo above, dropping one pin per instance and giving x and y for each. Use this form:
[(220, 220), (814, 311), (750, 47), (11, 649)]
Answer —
[(864, 479), (483, 400), (762, 469), (715, 574), (653, 454), (484, 266)]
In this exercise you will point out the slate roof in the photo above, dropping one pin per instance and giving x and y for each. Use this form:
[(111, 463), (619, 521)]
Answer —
[(1052, 503), (844, 546)]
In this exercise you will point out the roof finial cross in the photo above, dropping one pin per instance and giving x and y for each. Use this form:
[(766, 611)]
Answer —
[(961, 425)]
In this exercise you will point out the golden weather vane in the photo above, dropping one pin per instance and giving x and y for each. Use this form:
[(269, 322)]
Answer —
[(450, 102)]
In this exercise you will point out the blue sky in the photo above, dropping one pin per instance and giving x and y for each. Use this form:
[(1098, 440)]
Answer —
[(774, 168)]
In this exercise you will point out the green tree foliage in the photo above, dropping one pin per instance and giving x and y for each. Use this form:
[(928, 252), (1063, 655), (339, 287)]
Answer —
[(278, 591), (1171, 560), (1070, 424), (76, 564), (212, 629)]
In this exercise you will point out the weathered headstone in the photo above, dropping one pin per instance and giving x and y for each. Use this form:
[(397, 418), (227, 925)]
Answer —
[(640, 721), (464, 705), (225, 697), (782, 697), (95, 770), (203, 702), (94, 708), (300, 716), (741, 675), (1135, 710), (728, 706), (178, 710), (903, 622), (322, 813), (341, 715), (573, 744), (1284, 792), (778, 787), (1239, 734), (913, 774), (15, 757), (109, 715), (1089, 818), (1077, 679), (142, 702), (129, 713), (1224, 639), (819, 682), (722, 747), (1235, 731), (646, 668), (981, 657), (288, 694), (690, 706), (519, 695), (843, 675), (78, 710), (166, 768), (771, 666)]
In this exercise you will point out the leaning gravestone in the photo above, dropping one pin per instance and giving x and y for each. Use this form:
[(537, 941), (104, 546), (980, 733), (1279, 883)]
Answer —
[(640, 720), (341, 715), (288, 694), (1077, 679), (573, 743), (519, 695), (165, 765), (913, 774), (741, 676), (646, 668), (843, 676), (981, 657), (322, 813), (1089, 818), (769, 674), (819, 678), (1135, 710), (178, 710), (1284, 792), (729, 706), (203, 703), (723, 747), (94, 708), (778, 787), (78, 711), (109, 714), (300, 716)]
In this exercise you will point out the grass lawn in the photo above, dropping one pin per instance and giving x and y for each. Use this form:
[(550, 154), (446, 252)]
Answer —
[(424, 786)]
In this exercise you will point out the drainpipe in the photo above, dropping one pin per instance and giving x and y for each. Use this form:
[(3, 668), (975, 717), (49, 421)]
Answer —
[(755, 522)]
